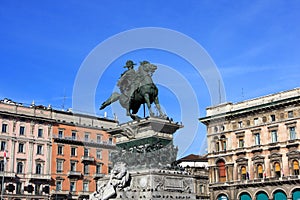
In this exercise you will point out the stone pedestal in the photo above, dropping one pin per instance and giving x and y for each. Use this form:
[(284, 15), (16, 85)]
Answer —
[(157, 184), (143, 164)]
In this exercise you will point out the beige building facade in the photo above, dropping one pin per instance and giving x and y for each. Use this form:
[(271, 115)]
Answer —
[(253, 148)]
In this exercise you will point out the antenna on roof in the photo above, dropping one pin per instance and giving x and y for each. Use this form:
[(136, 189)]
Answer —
[(220, 99), (64, 100)]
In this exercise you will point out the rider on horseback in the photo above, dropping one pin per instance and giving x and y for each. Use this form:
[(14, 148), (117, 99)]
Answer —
[(126, 82)]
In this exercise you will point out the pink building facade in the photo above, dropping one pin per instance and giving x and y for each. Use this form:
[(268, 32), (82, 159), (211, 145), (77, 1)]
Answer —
[(26, 137)]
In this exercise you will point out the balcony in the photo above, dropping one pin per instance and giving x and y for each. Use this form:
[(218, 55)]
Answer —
[(45, 177), (98, 175), (87, 159), (258, 182), (83, 141), (84, 194), (74, 174), (59, 192), (7, 174)]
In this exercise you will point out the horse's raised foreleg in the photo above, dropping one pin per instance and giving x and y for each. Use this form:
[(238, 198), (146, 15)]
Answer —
[(113, 97), (156, 102), (147, 100)]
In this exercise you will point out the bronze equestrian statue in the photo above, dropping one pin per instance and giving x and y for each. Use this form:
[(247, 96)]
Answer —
[(136, 88)]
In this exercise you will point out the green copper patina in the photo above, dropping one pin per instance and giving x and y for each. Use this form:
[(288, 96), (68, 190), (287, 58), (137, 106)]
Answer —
[(136, 88)]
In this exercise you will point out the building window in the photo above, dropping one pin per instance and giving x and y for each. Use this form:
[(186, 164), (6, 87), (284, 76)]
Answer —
[(217, 146), (72, 186), (18, 188), (241, 142), (39, 149), (257, 138), (110, 141), (290, 114), (221, 170), (2, 166), (60, 133), (98, 168), (243, 173), (22, 130), (259, 171), (59, 166), (73, 151), (223, 143), (73, 166), (73, 135), (21, 148), (86, 169), (86, 137), (240, 124), (58, 185), (274, 136), (277, 169), (20, 168), (296, 167), (3, 146), (60, 150), (292, 133), (255, 121), (38, 169), (40, 132), (216, 129), (99, 138), (85, 186), (4, 128), (99, 154), (272, 118), (86, 152)]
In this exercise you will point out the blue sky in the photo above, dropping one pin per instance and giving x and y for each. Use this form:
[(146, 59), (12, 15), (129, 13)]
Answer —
[(254, 44)]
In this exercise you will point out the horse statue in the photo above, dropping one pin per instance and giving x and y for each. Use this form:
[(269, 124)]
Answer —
[(136, 88)]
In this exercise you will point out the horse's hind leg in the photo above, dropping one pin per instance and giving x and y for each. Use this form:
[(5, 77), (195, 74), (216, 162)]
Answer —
[(113, 97)]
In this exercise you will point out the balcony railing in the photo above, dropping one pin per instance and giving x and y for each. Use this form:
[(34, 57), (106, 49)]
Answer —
[(40, 176), (257, 181), (98, 175), (87, 159), (84, 140), (59, 192), (7, 174), (74, 173)]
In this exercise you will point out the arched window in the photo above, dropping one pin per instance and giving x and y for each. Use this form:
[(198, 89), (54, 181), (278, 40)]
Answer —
[(277, 169), (223, 143), (243, 173), (259, 171), (279, 195), (217, 146), (38, 168), (222, 197), (296, 167), (221, 170), (1, 165), (20, 168)]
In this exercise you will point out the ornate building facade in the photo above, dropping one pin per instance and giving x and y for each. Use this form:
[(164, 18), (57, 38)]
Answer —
[(253, 148), (47, 153)]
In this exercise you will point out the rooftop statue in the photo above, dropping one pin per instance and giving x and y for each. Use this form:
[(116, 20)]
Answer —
[(136, 88)]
